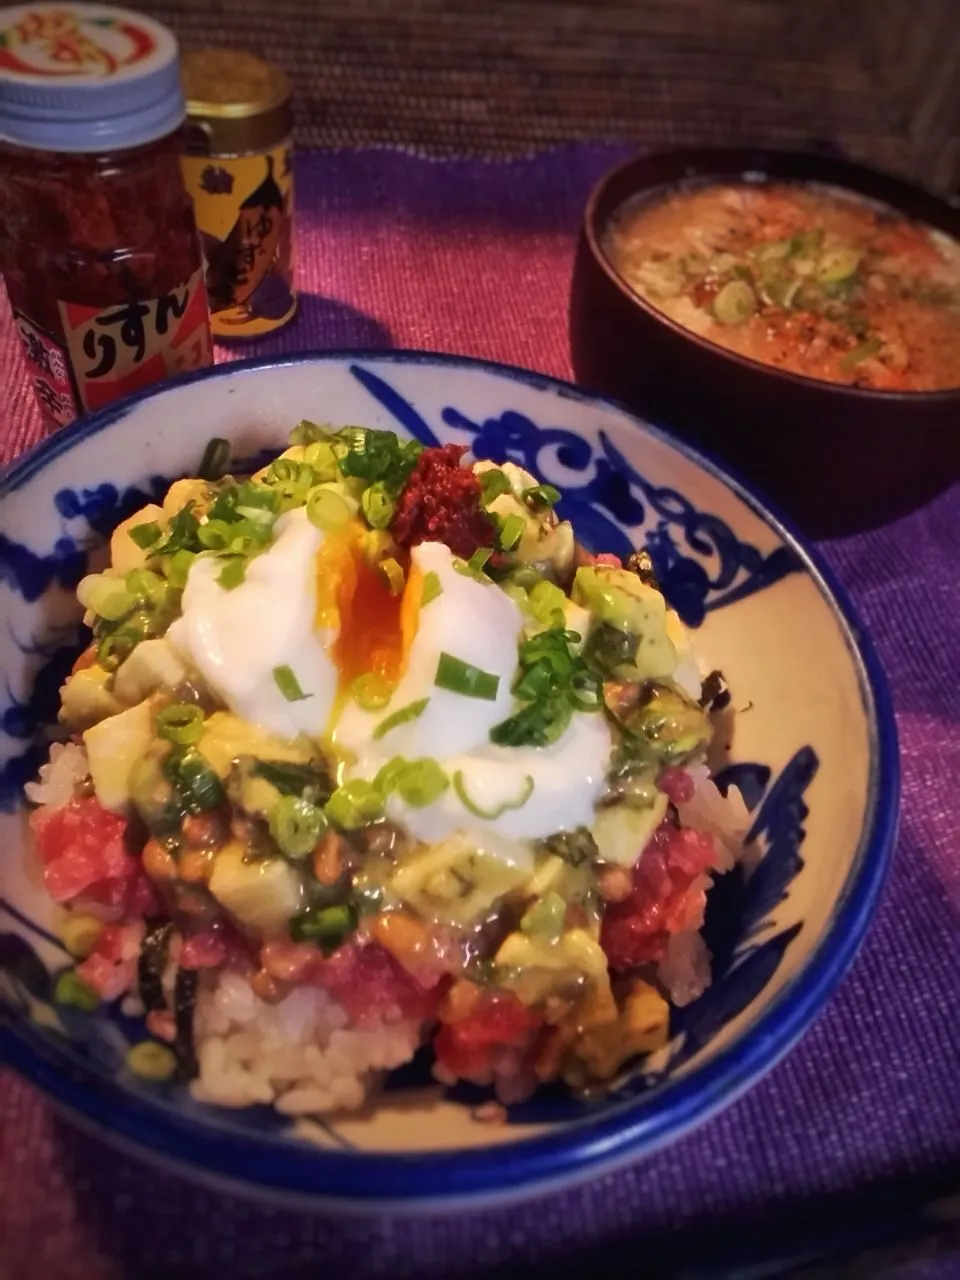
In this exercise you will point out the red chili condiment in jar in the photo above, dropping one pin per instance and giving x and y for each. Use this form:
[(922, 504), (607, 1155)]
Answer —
[(98, 244)]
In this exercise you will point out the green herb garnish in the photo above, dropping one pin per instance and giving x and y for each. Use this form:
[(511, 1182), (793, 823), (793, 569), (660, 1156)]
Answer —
[(289, 685), (464, 678)]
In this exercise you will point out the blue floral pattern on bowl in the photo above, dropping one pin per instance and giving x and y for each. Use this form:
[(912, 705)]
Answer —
[(781, 927)]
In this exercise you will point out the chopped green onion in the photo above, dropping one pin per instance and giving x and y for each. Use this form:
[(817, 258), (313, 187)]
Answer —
[(421, 782), (292, 779), (327, 509), (389, 775), (493, 484), (179, 567), (216, 459), (862, 351), (542, 495), (289, 685), (151, 1060), (107, 597), (71, 990), (511, 532), (464, 678), (146, 534), (80, 935), (321, 457), (478, 561), (217, 535), (181, 723), (371, 692), (547, 604), (734, 303), (282, 470), (586, 690), (377, 505), (402, 716), (354, 804), (535, 725), (392, 571), (146, 586), (197, 784), (306, 432), (233, 573), (490, 815), (328, 927), (296, 825), (182, 533), (431, 587), (837, 264), (545, 918), (536, 681)]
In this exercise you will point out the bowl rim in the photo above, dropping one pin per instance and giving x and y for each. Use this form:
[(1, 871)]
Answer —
[(445, 1180), (838, 172)]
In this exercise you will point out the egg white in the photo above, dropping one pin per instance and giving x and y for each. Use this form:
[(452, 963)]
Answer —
[(236, 639)]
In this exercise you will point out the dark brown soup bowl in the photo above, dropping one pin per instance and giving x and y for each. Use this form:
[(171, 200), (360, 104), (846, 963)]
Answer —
[(836, 458)]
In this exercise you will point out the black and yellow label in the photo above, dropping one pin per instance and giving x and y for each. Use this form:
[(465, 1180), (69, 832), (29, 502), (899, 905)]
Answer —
[(244, 210)]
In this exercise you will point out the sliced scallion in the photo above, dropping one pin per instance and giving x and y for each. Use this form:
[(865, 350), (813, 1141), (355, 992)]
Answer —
[(421, 782), (180, 722), (296, 825), (370, 691), (71, 990), (393, 572), (197, 784), (542, 495), (464, 678), (431, 587), (511, 532), (146, 534), (328, 927), (493, 484), (497, 811), (289, 685), (327, 509), (862, 351), (216, 459), (233, 573), (478, 561), (735, 302), (151, 1060), (402, 716), (354, 804), (321, 457), (178, 567), (377, 505)]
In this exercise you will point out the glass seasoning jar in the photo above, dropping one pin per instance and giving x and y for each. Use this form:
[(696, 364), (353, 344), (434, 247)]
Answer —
[(98, 244), (238, 168)]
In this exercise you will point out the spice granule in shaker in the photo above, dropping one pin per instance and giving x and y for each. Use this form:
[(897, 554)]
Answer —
[(98, 244), (238, 168)]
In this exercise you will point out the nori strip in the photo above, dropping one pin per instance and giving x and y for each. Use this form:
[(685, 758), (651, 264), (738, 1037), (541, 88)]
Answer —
[(154, 951), (184, 1005)]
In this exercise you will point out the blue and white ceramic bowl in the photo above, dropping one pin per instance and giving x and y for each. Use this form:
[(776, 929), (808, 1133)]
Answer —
[(813, 751)]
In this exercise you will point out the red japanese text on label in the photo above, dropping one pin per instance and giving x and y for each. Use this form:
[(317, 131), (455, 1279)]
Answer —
[(119, 349), (49, 372)]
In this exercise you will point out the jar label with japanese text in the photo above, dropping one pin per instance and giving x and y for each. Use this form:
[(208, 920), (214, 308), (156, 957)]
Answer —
[(244, 210), (49, 371), (119, 349)]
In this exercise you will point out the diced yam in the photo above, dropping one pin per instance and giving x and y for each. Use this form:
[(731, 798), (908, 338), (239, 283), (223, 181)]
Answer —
[(124, 552), (261, 895), (181, 492), (226, 737), (114, 746), (85, 698), (621, 832), (151, 664)]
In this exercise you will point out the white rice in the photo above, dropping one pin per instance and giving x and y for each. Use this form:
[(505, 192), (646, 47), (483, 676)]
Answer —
[(297, 1055), (59, 777)]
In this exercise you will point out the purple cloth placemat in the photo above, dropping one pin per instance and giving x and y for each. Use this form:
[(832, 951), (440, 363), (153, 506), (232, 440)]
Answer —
[(475, 257)]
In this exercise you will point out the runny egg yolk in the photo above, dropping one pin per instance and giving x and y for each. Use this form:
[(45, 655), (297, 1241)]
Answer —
[(375, 627)]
